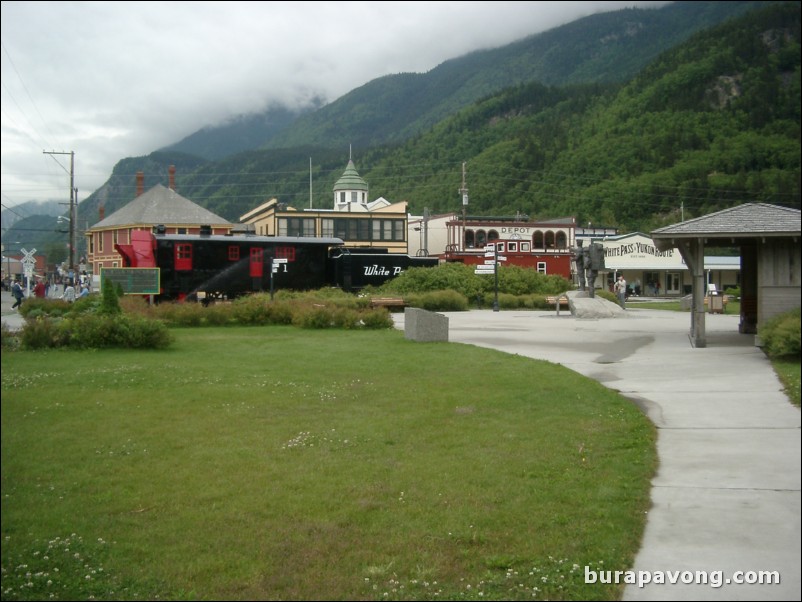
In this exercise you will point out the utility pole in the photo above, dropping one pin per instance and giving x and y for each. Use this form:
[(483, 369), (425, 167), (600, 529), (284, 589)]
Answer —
[(464, 192), (73, 202)]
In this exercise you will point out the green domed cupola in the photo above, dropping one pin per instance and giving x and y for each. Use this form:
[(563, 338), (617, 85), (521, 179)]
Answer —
[(350, 191)]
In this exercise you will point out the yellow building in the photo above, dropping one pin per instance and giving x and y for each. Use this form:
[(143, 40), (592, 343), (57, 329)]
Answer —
[(359, 223)]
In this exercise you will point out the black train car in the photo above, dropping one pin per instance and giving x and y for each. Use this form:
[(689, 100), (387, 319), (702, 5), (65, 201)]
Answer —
[(206, 267), (354, 269)]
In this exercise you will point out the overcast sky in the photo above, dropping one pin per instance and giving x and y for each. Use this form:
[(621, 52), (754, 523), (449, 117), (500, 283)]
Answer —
[(110, 80)]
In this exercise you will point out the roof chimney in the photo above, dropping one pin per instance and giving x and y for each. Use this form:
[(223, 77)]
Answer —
[(140, 182), (172, 177), (101, 211)]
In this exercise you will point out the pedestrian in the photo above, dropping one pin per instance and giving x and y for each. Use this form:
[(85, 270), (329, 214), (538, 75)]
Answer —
[(84, 292), (17, 293), (69, 292), (39, 289), (621, 291)]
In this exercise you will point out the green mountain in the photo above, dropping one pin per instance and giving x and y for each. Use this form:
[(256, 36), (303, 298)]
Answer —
[(710, 124), (602, 48), (240, 134)]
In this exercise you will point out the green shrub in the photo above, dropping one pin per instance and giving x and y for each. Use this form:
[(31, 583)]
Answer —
[(313, 316), (43, 332), (344, 317), (110, 303), (279, 312), (217, 314), (605, 294), (377, 318), (445, 300), (508, 301), (10, 339), (781, 335), (95, 331)]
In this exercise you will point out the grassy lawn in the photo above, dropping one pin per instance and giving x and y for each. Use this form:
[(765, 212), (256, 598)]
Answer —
[(280, 463)]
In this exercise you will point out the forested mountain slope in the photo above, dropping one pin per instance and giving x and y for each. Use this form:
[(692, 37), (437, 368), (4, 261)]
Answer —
[(710, 123)]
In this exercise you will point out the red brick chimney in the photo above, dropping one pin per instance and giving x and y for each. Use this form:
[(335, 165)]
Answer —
[(140, 182), (172, 177), (101, 211)]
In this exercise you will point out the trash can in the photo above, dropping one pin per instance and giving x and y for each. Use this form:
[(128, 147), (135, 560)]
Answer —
[(715, 303)]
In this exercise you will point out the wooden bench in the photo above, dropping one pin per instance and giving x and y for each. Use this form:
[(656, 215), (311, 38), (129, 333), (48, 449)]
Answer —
[(388, 302), (562, 300)]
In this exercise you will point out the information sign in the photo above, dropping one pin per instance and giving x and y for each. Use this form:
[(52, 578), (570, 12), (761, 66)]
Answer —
[(133, 281)]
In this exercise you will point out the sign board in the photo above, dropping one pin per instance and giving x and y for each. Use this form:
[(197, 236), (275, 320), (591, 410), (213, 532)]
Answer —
[(501, 258), (478, 271), (280, 260), (133, 281)]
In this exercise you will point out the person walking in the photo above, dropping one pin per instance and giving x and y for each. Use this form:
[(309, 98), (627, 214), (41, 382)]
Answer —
[(69, 292), (621, 291), (17, 293), (39, 289)]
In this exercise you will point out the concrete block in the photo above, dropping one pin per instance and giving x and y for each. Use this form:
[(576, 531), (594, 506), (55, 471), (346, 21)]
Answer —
[(425, 326)]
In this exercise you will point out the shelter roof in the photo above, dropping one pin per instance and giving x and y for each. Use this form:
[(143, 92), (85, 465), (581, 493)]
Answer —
[(750, 220)]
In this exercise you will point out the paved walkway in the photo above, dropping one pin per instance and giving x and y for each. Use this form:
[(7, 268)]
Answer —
[(726, 496)]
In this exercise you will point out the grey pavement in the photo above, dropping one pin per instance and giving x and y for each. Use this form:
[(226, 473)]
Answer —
[(726, 496), (11, 317)]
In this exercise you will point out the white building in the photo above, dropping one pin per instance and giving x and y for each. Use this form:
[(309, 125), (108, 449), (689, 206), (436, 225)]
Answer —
[(650, 272)]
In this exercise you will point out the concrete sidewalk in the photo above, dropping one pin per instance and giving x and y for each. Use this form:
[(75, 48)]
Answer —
[(726, 496)]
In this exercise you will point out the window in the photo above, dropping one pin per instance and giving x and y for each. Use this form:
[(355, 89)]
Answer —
[(352, 229), (549, 239), (500, 247), (562, 240), (327, 227), (233, 253), (537, 240), (287, 253), (525, 248), (342, 197), (469, 239), (388, 229), (353, 196), (541, 267), (180, 230), (513, 247), (115, 234), (296, 226)]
